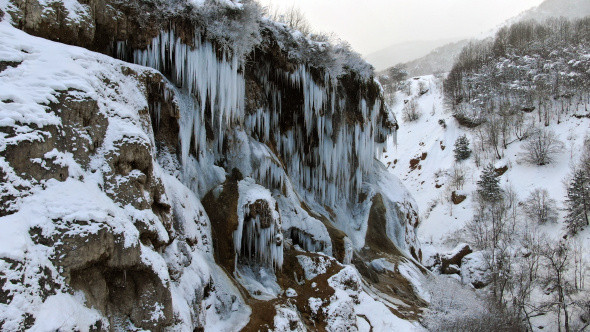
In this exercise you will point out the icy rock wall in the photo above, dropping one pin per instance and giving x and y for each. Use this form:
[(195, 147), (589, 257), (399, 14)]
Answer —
[(324, 153), (215, 82), (258, 238), (320, 134), (327, 152)]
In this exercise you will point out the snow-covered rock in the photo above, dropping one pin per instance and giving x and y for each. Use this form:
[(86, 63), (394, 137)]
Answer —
[(150, 196), (475, 271)]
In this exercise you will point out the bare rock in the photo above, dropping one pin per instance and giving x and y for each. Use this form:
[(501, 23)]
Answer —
[(454, 257)]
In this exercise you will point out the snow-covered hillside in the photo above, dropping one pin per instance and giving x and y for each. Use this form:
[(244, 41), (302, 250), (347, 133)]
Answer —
[(433, 139), (423, 159)]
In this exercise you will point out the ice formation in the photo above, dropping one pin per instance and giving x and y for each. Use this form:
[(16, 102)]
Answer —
[(317, 150), (258, 238), (304, 240), (217, 83), (317, 139)]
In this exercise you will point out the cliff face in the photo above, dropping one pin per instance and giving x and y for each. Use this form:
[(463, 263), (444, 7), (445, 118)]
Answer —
[(105, 165)]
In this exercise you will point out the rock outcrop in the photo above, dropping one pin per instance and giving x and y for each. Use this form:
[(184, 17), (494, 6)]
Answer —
[(105, 165)]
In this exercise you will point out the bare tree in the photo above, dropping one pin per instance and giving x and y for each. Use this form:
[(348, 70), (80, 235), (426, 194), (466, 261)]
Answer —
[(557, 260), (411, 111), (540, 207), (542, 147), (579, 265), (526, 270), (493, 134), (457, 177), (292, 17), (492, 231)]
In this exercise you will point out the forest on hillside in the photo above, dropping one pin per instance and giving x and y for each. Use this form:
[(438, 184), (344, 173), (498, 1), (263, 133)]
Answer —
[(528, 67)]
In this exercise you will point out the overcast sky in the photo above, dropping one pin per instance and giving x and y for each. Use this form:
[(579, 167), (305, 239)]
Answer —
[(371, 25)]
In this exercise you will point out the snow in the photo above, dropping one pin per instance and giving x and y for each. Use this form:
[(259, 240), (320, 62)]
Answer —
[(315, 304), (259, 281), (474, 269), (442, 222), (287, 319), (47, 69), (382, 264), (313, 266), (440, 219), (72, 314), (412, 273), (290, 292), (347, 284), (41, 208)]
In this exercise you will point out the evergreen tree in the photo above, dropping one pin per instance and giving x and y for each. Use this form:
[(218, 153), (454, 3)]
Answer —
[(462, 150), (578, 202), (489, 185)]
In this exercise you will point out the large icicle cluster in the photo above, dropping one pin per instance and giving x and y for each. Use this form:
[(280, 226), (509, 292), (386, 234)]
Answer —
[(324, 154), (258, 238), (324, 150), (217, 83)]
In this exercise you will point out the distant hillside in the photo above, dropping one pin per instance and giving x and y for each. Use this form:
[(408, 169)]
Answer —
[(557, 8), (403, 52), (438, 61), (529, 66), (441, 59)]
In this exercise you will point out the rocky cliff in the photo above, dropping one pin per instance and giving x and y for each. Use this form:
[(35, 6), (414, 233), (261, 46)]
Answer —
[(186, 165)]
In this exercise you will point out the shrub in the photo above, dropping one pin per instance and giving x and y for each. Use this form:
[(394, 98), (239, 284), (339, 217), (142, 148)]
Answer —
[(540, 207), (542, 147), (462, 150), (411, 112)]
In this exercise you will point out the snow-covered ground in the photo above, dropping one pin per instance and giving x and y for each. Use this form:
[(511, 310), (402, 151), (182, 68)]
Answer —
[(429, 180), (430, 144)]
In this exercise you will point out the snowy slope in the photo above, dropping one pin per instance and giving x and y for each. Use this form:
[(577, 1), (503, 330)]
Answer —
[(87, 205), (442, 222), (440, 218)]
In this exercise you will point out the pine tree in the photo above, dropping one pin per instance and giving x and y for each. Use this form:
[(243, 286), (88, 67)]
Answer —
[(462, 150), (489, 185), (578, 202)]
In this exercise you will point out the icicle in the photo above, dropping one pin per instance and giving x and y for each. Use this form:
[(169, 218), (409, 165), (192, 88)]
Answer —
[(256, 240), (215, 82), (333, 169)]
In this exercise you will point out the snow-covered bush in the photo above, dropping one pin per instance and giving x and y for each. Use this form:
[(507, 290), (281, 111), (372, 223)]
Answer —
[(462, 150), (542, 147), (293, 17), (411, 111), (233, 25), (540, 207)]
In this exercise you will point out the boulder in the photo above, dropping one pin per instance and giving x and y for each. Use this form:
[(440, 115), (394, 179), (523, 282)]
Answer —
[(454, 257), (457, 198), (474, 270)]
